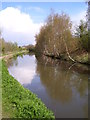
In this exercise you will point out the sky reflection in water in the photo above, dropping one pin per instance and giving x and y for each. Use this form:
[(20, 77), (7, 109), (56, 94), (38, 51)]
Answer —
[(23, 74), (63, 90)]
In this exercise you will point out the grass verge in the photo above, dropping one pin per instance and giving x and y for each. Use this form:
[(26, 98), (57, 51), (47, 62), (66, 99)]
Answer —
[(0, 89), (18, 102)]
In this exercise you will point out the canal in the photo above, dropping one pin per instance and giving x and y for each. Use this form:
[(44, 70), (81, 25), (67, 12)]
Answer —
[(62, 86)]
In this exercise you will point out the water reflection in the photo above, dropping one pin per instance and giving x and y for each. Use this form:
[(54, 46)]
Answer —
[(22, 73), (12, 61), (63, 87), (62, 83)]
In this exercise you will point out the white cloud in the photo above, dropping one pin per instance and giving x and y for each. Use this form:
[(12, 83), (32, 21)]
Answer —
[(80, 16), (76, 19), (18, 26), (24, 77)]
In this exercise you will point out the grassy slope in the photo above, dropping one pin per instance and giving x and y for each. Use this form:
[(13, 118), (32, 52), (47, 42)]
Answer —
[(0, 90), (18, 102)]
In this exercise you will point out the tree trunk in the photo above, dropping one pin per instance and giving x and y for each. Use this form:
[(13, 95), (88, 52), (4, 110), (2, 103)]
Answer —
[(68, 52)]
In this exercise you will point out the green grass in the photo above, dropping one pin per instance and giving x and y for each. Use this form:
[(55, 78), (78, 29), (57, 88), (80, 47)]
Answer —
[(0, 89), (83, 58), (18, 102), (21, 53)]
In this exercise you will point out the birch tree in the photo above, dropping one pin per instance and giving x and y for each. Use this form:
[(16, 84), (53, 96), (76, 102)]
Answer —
[(55, 36)]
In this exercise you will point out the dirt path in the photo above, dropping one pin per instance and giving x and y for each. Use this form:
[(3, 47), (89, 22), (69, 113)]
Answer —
[(10, 55)]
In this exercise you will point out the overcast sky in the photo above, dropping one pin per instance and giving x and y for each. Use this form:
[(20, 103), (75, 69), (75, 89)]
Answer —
[(20, 21)]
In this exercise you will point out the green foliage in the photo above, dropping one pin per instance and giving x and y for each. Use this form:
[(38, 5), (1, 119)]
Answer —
[(20, 53), (83, 58), (89, 40), (7, 47), (83, 34), (0, 88), (19, 102), (30, 48)]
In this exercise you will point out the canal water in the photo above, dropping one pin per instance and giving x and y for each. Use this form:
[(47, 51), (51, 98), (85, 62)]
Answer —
[(62, 86)]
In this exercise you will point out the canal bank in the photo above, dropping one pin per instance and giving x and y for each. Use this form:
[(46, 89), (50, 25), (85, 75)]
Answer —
[(13, 54), (18, 102), (77, 56)]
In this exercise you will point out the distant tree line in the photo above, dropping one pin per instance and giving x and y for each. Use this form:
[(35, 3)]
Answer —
[(30, 47), (6, 47)]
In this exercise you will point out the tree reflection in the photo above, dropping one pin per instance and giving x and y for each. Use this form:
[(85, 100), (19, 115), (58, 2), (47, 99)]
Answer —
[(60, 82), (12, 61)]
